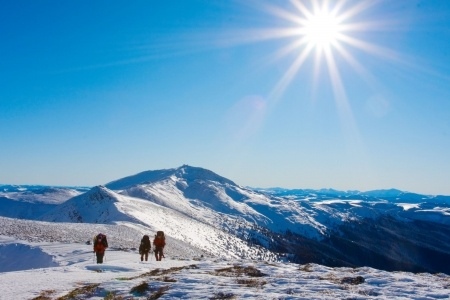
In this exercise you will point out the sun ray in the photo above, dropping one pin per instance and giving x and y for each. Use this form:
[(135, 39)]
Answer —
[(250, 36), (328, 32), (300, 6), (285, 80), (367, 26), (279, 12), (371, 48), (333, 72), (289, 48), (356, 65), (316, 73), (356, 9), (353, 140), (323, 27), (344, 109)]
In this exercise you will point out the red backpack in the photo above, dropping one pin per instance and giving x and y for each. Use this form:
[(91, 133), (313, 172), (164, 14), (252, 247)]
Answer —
[(100, 241), (160, 239)]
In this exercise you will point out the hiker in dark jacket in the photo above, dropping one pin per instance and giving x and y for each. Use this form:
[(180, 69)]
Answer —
[(100, 245), (159, 242), (145, 247)]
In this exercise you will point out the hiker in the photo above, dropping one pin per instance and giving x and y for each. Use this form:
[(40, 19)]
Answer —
[(100, 245), (159, 242), (145, 247)]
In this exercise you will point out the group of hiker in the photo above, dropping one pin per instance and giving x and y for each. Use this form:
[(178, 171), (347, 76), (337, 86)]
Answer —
[(159, 242), (101, 244)]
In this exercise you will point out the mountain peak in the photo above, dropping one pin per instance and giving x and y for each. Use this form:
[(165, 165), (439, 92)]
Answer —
[(185, 172), (100, 193), (98, 205), (191, 173)]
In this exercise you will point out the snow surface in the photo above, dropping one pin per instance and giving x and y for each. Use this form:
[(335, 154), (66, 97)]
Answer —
[(205, 217), (52, 260), (55, 269), (407, 206)]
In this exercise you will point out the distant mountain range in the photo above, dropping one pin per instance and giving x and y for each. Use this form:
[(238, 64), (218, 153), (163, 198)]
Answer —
[(384, 229)]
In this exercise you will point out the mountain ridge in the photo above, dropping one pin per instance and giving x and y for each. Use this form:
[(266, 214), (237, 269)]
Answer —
[(299, 225)]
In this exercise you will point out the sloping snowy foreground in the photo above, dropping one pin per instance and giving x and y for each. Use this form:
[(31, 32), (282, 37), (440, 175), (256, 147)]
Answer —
[(67, 271)]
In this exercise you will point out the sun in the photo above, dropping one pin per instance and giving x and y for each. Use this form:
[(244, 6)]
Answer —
[(321, 38), (325, 35), (325, 40), (321, 29)]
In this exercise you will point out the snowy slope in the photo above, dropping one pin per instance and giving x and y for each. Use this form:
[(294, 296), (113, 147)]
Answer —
[(208, 197), (307, 225), (40, 193), (55, 270), (201, 194), (101, 205), (31, 201), (186, 172), (120, 236), (196, 207), (98, 205), (186, 188)]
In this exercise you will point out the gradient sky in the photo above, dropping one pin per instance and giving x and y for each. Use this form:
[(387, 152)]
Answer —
[(93, 91)]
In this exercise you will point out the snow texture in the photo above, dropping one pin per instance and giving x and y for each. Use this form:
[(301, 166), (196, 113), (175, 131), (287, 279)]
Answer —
[(56, 269), (218, 237)]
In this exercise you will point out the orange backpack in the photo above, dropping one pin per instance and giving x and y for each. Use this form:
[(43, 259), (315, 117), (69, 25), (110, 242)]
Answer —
[(100, 243), (160, 239)]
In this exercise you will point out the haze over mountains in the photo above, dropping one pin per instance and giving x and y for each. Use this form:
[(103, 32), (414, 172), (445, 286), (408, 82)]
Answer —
[(211, 215)]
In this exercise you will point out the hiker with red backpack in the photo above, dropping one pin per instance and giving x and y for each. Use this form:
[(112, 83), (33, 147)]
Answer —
[(145, 247), (159, 242), (100, 245)]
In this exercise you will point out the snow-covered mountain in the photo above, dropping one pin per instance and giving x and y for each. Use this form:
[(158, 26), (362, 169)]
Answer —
[(386, 229), (30, 201), (103, 206), (40, 193)]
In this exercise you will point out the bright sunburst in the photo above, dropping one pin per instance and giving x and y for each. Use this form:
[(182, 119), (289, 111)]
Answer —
[(321, 28), (327, 36), (321, 31)]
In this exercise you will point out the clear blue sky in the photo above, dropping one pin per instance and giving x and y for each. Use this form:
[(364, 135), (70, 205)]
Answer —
[(93, 91)]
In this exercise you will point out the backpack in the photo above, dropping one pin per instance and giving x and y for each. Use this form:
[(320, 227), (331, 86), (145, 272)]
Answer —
[(145, 244), (101, 239), (160, 239)]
